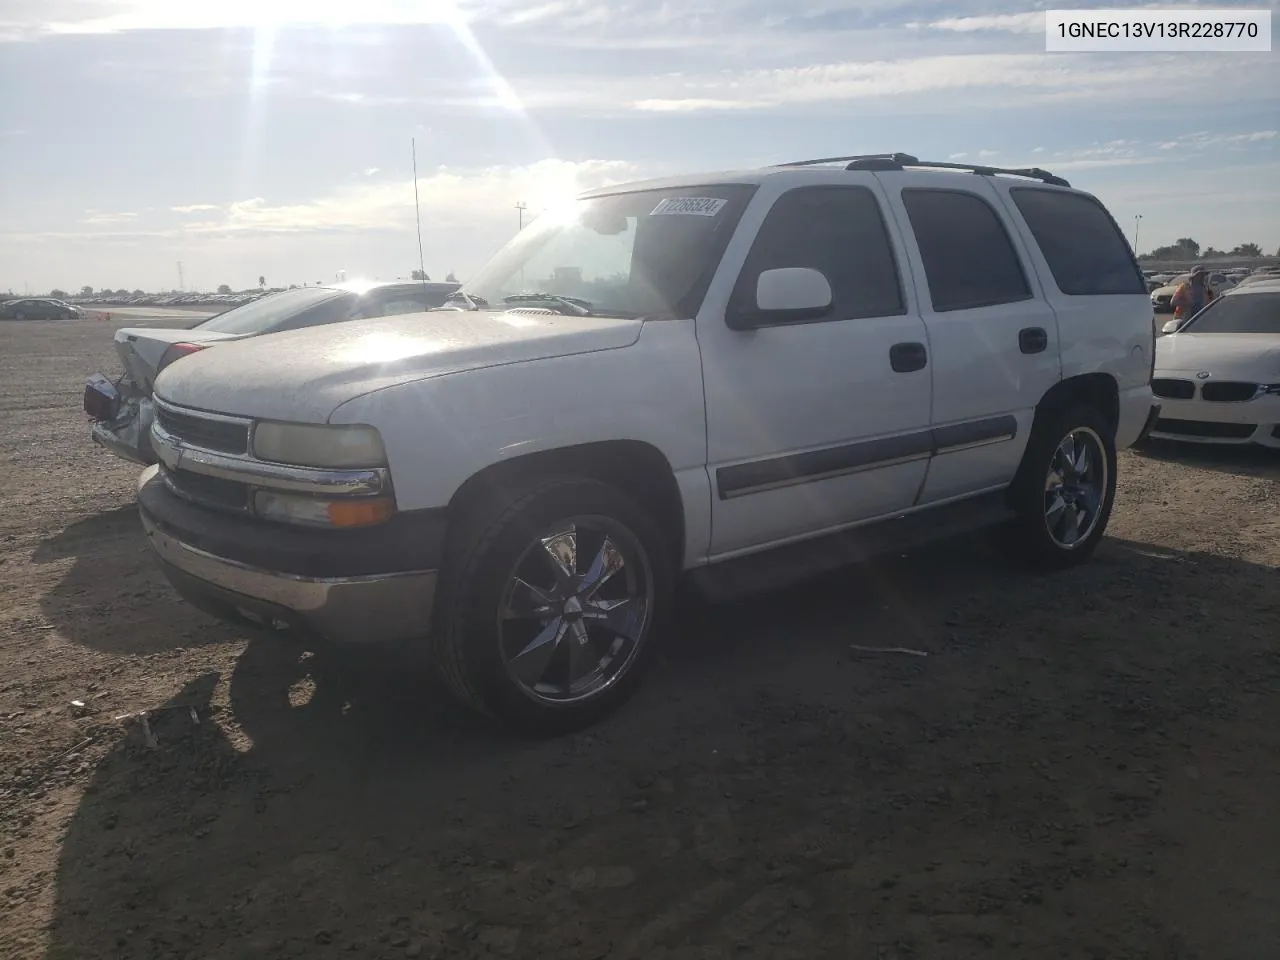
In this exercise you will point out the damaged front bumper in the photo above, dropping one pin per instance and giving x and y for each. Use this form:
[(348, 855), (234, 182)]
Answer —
[(121, 417)]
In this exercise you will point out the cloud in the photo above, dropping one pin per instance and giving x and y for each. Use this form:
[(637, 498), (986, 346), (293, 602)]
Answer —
[(1132, 152), (1203, 140), (195, 208), (1020, 78), (446, 197), (118, 16), (695, 104), (1006, 23), (96, 217)]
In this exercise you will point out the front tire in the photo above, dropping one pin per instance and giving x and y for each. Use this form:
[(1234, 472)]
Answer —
[(1064, 489), (550, 605)]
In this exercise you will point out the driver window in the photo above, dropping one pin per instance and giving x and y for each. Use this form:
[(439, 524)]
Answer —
[(838, 230)]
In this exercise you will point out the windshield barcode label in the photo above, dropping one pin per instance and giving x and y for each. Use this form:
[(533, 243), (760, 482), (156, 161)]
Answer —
[(690, 206)]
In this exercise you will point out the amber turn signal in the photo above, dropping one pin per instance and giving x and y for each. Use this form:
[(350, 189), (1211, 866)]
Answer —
[(360, 513)]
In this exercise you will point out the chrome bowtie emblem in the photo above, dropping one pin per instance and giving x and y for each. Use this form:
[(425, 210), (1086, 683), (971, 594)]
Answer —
[(1202, 375)]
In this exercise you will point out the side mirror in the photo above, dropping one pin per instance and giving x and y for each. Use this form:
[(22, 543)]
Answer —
[(1171, 326), (785, 295)]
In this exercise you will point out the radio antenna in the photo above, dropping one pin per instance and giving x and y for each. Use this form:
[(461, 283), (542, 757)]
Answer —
[(417, 213)]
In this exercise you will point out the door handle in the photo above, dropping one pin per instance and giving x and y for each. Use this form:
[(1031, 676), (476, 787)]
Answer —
[(1033, 340), (907, 357)]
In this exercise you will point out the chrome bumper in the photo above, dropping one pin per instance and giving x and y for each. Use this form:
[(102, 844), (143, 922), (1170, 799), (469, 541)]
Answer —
[(385, 607)]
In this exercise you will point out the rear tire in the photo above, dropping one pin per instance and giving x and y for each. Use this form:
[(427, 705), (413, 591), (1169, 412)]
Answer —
[(1064, 489), (550, 605)]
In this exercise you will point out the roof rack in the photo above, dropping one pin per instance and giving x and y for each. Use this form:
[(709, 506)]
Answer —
[(891, 160), (896, 161)]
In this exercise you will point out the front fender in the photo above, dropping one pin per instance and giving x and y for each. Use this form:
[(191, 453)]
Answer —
[(440, 432)]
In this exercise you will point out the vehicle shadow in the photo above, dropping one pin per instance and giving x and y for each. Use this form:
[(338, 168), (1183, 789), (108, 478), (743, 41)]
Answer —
[(765, 790), (113, 596), (1238, 461)]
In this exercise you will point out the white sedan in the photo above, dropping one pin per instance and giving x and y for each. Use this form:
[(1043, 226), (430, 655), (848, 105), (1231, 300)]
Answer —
[(1218, 376)]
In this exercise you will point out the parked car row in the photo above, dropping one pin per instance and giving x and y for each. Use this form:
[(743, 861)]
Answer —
[(175, 299), (1163, 285)]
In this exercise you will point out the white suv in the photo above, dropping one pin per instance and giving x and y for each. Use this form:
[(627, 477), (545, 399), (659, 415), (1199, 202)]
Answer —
[(742, 377)]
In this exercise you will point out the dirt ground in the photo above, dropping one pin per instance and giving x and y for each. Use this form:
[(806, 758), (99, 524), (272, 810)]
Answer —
[(1085, 766)]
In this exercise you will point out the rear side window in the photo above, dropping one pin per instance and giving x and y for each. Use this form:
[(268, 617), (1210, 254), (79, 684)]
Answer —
[(285, 310), (969, 260), (1085, 250), (330, 311), (838, 230)]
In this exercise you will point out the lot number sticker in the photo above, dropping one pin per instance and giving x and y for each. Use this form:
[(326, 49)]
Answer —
[(689, 206)]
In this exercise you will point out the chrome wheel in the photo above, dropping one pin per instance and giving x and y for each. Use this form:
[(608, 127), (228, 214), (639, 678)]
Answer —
[(1075, 487), (576, 610)]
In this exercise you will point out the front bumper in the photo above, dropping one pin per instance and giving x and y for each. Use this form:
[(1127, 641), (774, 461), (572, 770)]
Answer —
[(1245, 423), (346, 590)]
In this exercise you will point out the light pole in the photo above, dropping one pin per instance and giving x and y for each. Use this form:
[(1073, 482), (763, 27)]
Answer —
[(1137, 222), (521, 207)]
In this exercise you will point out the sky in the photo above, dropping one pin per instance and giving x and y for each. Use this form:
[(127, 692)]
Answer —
[(275, 138)]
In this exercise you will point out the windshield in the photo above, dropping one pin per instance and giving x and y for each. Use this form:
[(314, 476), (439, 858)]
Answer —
[(645, 253), (302, 307), (1242, 313)]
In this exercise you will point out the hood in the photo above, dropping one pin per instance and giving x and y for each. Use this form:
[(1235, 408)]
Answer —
[(304, 375), (1253, 357)]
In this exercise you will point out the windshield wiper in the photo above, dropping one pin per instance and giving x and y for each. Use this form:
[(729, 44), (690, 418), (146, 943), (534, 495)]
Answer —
[(474, 303), (576, 307)]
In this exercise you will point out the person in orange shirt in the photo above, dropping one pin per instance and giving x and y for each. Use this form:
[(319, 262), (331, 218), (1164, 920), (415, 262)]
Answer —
[(1191, 297)]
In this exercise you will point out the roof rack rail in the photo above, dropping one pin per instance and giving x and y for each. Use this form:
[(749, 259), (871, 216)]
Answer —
[(890, 161), (896, 161), (1032, 173)]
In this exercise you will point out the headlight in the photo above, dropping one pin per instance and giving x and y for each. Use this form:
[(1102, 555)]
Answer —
[(318, 512), (310, 445)]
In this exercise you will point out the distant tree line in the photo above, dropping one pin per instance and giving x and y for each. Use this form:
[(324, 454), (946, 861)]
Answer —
[(1188, 249)]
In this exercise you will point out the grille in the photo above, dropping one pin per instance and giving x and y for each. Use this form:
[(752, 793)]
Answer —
[(1228, 391), (1164, 298), (200, 432), (1201, 428), (211, 491), (1173, 389)]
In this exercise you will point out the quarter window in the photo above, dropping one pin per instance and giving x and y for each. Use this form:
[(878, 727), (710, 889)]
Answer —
[(969, 260), (1086, 252), (389, 308), (838, 230)]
